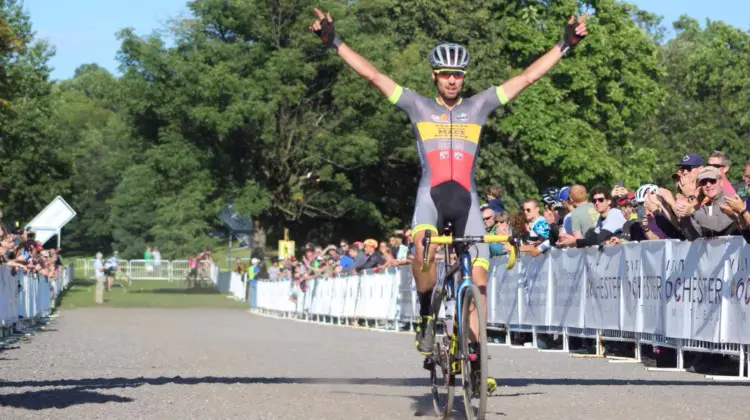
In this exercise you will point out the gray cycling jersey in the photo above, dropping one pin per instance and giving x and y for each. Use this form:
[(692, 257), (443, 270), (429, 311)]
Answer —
[(448, 140), (448, 145)]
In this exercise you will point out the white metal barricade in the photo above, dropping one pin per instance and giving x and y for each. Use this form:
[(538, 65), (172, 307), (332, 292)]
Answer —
[(640, 293), (148, 270), (28, 299)]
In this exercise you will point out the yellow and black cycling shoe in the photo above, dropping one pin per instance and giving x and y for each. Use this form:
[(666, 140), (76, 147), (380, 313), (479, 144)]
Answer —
[(425, 337)]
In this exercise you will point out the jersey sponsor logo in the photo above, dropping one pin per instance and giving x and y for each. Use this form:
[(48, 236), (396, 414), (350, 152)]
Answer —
[(440, 118), (444, 155), (446, 145), (458, 155), (462, 116), (429, 131)]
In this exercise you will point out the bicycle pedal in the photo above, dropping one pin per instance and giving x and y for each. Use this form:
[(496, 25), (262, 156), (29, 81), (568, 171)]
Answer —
[(428, 363)]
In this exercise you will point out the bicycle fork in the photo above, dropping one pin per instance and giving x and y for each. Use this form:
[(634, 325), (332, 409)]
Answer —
[(465, 281)]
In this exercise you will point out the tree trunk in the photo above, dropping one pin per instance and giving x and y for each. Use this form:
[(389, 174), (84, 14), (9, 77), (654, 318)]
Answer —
[(259, 239)]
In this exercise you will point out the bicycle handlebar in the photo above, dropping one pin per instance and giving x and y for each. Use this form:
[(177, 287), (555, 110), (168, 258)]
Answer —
[(448, 240)]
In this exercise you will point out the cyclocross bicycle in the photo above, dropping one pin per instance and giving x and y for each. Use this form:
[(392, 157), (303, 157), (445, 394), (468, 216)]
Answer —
[(451, 354)]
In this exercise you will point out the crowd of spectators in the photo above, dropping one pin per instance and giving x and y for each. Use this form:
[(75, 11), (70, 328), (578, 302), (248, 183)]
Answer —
[(702, 202), (20, 251)]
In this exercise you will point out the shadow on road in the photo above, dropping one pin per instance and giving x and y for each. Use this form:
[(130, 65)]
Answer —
[(83, 391), (94, 383), (422, 404), (57, 398)]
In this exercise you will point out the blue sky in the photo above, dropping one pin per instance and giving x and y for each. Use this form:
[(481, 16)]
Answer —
[(83, 31)]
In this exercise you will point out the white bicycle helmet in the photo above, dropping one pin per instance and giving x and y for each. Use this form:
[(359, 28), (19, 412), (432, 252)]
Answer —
[(643, 191), (449, 55)]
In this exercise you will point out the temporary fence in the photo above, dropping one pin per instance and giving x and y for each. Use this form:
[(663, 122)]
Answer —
[(27, 299), (153, 270), (690, 296)]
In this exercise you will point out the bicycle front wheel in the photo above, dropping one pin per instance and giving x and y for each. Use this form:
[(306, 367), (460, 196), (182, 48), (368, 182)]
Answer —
[(473, 364)]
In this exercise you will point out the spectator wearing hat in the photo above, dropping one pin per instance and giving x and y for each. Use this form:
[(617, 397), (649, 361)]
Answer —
[(372, 258), (687, 171), (633, 229), (690, 163), (567, 222), (707, 220)]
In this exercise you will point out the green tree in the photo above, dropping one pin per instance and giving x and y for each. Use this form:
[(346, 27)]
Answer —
[(33, 168), (100, 146), (706, 108)]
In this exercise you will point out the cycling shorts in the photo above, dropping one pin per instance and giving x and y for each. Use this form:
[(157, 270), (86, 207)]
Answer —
[(450, 202)]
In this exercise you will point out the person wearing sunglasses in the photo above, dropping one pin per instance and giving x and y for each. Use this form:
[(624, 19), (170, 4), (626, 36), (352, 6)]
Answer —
[(721, 161), (447, 128), (708, 220)]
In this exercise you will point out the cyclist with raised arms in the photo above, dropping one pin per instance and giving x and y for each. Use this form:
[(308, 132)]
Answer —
[(447, 129)]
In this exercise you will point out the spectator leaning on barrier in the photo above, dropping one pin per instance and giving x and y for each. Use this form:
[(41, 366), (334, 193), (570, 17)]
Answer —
[(538, 229), (490, 222), (501, 226), (608, 224), (346, 262), (398, 249), (584, 216), (385, 251), (567, 222), (273, 270), (737, 210), (372, 258), (554, 212), (708, 220), (241, 269)]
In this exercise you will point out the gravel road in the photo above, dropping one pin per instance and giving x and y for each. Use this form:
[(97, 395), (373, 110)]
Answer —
[(107, 363)]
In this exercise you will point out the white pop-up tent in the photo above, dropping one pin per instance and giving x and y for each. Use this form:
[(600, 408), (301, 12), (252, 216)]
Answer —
[(51, 220)]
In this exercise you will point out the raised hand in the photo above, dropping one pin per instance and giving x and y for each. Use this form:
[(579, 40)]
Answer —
[(324, 28), (575, 30)]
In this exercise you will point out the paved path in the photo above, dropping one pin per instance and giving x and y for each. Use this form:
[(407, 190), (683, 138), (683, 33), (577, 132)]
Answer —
[(223, 364)]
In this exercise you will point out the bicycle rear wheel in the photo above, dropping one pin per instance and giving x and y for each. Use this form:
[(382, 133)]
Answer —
[(473, 373)]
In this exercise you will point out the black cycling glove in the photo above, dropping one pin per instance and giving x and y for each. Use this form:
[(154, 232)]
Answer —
[(328, 35), (570, 39)]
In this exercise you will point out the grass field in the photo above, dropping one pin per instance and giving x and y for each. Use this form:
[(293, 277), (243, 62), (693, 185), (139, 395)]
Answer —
[(147, 294)]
